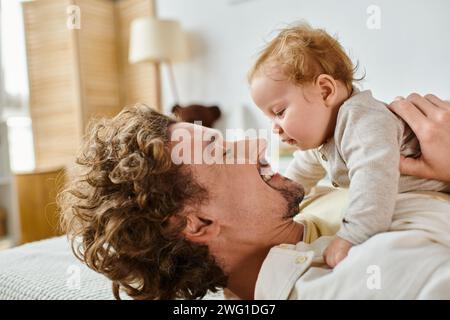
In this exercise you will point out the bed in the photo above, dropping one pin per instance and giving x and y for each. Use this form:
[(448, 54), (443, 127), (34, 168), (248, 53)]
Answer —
[(48, 270)]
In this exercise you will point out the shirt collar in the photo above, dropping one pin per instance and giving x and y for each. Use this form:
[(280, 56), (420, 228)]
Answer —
[(284, 265)]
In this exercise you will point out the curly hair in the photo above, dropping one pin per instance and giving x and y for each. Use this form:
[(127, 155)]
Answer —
[(303, 53), (122, 210)]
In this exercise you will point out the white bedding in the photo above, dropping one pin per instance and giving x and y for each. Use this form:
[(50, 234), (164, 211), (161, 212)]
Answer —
[(48, 270)]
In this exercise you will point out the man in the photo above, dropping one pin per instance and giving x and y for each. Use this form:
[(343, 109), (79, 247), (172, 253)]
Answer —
[(161, 230)]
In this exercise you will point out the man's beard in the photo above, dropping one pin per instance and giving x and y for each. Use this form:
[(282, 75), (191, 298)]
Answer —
[(293, 193)]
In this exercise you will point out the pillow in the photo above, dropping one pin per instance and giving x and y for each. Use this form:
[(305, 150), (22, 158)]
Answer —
[(321, 212)]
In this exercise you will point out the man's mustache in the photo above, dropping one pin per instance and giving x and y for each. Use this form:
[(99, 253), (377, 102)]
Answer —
[(293, 197)]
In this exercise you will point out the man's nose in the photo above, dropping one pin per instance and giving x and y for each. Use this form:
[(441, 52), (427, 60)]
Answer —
[(249, 150)]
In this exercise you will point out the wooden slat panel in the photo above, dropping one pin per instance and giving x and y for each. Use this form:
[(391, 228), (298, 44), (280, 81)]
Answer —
[(54, 90), (98, 59)]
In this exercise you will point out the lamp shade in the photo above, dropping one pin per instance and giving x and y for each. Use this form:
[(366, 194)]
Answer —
[(156, 40)]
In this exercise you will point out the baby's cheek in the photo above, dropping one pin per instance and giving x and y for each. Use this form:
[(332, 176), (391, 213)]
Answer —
[(302, 131), (291, 127)]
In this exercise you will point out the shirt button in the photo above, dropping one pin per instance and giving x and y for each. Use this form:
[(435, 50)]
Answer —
[(324, 157), (334, 184), (300, 260)]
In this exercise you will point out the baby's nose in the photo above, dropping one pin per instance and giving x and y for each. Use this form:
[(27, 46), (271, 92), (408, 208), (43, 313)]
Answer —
[(277, 129)]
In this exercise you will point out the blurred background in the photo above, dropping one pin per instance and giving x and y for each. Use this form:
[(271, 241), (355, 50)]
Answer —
[(66, 61)]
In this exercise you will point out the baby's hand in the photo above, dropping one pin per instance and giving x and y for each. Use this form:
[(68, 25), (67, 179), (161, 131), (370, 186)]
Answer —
[(336, 251)]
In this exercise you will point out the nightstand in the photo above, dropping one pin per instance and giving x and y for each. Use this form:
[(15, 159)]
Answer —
[(38, 212)]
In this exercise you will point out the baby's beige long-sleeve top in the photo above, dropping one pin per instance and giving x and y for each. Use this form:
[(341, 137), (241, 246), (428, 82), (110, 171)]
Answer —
[(364, 156)]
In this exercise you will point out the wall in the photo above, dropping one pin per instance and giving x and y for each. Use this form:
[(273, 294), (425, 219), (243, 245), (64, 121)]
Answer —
[(410, 52)]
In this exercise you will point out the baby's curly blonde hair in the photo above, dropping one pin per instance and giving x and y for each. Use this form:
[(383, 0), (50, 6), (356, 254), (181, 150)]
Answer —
[(303, 53)]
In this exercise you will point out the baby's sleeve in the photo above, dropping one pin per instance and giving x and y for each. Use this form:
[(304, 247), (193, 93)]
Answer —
[(370, 147), (305, 169)]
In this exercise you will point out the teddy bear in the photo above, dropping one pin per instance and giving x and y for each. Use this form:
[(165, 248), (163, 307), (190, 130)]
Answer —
[(208, 115)]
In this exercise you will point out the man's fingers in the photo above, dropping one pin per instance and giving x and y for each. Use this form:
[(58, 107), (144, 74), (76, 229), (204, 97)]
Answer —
[(438, 102), (423, 104), (408, 112), (413, 167)]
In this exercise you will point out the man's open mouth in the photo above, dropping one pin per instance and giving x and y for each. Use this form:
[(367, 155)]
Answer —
[(264, 169), (293, 194)]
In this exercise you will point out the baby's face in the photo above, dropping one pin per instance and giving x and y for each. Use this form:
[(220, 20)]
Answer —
[(298, 113)]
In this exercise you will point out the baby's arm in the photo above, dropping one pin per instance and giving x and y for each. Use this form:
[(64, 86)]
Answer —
[(305, 169), (369, 145)]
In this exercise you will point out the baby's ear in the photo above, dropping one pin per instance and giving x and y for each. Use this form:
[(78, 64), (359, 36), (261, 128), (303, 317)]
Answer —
[(327, 85)]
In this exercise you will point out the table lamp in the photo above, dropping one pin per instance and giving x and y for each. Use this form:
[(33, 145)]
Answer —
[(158, 41)]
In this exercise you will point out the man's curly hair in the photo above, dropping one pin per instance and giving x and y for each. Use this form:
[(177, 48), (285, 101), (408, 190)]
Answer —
[(123, 209)]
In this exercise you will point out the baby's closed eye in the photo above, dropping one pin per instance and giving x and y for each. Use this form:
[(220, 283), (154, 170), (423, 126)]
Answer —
[(279, 114)]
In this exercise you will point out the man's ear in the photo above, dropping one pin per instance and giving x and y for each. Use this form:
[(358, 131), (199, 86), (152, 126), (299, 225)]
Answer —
[(328, 88), (200, 229)]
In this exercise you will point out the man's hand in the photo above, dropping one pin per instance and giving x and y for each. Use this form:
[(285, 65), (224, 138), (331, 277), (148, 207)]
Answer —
[(336, 251), (429, 118)]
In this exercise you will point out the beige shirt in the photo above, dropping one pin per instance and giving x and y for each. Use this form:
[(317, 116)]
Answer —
[(363, 155), (411, 261)]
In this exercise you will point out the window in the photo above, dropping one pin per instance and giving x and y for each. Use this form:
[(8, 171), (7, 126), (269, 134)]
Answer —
[(14, 86)]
